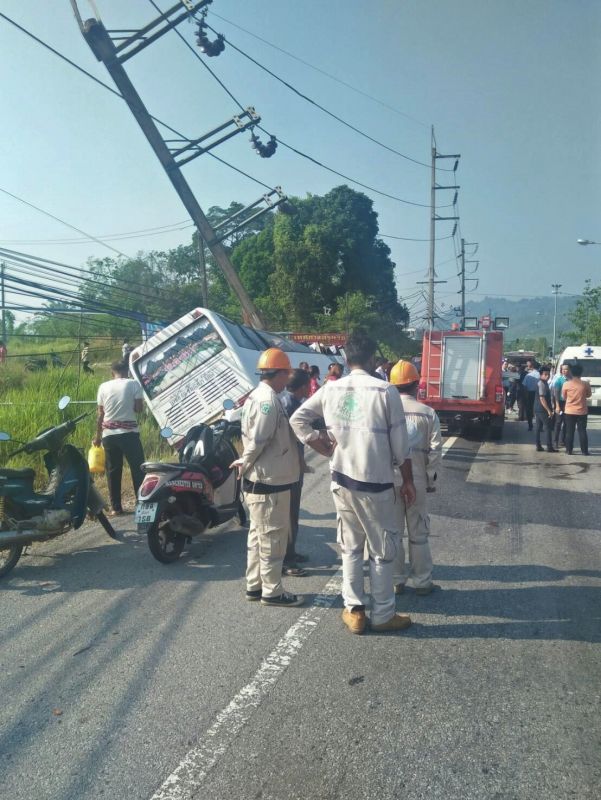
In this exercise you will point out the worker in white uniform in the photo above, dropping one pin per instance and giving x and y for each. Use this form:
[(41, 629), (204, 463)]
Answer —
[(365, 435), (269, 467), (426, 456)]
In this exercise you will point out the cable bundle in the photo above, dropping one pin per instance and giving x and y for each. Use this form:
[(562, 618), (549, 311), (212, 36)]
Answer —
[(263, 150), (208, 47)]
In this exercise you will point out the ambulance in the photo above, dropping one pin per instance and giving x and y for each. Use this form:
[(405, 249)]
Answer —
[(589, 357)]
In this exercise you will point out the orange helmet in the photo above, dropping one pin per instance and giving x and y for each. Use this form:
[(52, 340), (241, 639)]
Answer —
[(273, 359), (403, 373)]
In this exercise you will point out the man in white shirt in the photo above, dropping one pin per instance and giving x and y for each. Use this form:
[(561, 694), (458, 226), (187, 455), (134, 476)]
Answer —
[(365, 436), (119, 402)]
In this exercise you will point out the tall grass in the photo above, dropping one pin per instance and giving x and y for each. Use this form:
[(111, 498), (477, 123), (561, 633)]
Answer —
[(29, 404)]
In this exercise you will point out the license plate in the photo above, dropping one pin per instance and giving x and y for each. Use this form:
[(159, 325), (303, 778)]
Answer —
[(145, 513)]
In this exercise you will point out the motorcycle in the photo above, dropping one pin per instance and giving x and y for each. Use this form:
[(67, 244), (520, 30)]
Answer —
[(178, 501), (28, 516)]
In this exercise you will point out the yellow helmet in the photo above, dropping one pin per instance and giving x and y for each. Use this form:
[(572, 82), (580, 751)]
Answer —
[(273, 359), (403, 373)]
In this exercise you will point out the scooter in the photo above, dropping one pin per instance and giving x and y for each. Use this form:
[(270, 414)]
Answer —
[(178, 501), (28, 516)]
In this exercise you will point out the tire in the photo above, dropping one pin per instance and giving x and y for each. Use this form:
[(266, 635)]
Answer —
[(102, 519), (8, 558), (496, 430), (165, 545)]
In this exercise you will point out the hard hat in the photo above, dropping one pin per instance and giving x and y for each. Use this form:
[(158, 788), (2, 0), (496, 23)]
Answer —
[(403, 373), (273, 359)]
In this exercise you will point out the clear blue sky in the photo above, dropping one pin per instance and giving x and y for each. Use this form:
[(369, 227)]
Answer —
[(513, 86)]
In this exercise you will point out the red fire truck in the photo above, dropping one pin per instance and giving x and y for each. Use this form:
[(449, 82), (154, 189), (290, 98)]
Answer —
[(461, 377)]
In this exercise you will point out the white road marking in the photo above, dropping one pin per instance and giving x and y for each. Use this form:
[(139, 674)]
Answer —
[(184, 781), (448, 444)]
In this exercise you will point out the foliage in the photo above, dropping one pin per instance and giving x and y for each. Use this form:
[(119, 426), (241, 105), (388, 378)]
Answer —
[(586, 316)]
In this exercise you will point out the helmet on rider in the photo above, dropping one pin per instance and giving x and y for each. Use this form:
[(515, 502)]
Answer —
[(403, 373), (273, 360)]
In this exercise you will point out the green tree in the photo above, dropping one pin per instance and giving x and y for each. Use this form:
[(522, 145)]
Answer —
[(586, 316)]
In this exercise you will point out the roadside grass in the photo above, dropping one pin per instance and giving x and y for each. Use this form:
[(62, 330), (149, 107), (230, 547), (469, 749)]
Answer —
[(29, 404)]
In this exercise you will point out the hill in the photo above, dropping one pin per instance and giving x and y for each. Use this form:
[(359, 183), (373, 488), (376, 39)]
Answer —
[(528, 317)]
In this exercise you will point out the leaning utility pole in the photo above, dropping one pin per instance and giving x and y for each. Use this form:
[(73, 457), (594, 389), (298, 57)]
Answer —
[(434, 218), (556, 287), (2, 301), (175, 156)]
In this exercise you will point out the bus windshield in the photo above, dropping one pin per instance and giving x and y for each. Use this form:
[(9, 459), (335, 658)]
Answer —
[(177, 357)]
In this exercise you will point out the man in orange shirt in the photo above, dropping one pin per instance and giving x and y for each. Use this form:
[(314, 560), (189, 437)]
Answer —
[(575, 392)]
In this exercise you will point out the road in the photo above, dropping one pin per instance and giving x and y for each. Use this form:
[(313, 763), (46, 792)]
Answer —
[(124, 678)]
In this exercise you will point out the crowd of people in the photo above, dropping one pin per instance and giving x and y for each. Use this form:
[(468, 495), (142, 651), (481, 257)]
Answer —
[(557, 403), (384, 449)]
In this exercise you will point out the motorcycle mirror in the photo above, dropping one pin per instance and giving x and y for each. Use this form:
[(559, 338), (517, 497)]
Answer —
[(64, 402), (4, 436), (228, 404), (166, 433)]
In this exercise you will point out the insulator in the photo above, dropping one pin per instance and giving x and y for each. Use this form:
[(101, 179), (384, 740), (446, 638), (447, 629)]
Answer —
[(208, 47), (263, 150)]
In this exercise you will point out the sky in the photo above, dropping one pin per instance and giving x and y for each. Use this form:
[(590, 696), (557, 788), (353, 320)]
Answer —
[(512, 86)]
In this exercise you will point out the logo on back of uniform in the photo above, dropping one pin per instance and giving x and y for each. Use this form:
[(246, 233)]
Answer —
[(265, 408), (349, 409)]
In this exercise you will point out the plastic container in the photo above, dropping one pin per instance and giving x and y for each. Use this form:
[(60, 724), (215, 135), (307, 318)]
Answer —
[(96, 459)]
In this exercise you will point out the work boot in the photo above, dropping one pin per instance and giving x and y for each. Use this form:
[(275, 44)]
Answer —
[(399, 622), (253, 595), (354, 619)]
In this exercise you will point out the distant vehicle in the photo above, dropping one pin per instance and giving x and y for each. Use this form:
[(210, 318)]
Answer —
[(589, 357), (461, 378), (190, 367)]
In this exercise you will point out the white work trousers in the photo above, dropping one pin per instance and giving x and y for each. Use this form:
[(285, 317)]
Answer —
[(416, 521), (372, 519), (267, 541)]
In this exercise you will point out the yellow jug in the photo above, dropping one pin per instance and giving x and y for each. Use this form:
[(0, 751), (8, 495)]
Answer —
[(96, 459)]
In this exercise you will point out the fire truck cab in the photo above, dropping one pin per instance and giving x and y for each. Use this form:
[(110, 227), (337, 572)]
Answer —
[(462, 378)]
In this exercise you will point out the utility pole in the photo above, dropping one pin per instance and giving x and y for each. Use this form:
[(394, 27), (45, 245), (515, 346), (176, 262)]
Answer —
[(556, 287), (2, 302), (434, 218), (462, 283), (178, 153)]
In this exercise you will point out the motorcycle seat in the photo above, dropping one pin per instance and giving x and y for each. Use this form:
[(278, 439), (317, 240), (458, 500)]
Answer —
[(24, 473), (163, 466)]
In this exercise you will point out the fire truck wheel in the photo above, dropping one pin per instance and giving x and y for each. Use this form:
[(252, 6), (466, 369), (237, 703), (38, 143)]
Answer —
[(496, 430)]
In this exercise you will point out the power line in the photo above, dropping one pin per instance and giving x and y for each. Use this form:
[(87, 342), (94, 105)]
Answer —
[(321, 71)]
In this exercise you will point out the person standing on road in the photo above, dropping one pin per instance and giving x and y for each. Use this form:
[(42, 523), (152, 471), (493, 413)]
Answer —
[(119, 402), (297, 391), (269, 467), (530, 385), (575, 393), (365, 435), (334, 372), (313, 379), (543, 409), (559, 404), (426, 456)]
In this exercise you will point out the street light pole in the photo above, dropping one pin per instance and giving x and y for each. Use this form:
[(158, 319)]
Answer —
[(556, 287)]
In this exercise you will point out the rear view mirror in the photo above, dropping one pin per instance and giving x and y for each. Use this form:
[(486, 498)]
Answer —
[(4, 436), (64, 402), (228, 404), (166, 433)]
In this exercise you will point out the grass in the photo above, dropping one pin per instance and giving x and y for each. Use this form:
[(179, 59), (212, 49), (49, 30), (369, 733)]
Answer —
[(29, 404)]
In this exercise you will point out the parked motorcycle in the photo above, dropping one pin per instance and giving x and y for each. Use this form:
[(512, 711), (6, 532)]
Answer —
[(28, 516), (178, 501)]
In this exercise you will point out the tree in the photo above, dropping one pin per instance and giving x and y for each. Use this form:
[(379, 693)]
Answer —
[(586, 316)]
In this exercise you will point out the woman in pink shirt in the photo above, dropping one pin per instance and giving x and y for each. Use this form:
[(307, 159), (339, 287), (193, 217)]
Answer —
[(314, 380), (575, 392)]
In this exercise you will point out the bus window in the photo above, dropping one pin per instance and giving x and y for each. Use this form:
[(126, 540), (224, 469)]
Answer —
[(177, 357)]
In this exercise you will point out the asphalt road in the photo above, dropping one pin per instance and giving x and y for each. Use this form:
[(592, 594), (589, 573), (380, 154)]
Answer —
[(124, 678)]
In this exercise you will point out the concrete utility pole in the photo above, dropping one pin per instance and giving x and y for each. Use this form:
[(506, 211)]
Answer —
[(556, 287), (2, 302), (462, 283), (434, 218), (111, 56)]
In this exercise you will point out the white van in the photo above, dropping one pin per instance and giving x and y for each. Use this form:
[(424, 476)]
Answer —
[(589, 357)]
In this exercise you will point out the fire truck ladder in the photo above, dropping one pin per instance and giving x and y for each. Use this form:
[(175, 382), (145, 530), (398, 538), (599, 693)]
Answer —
[(434, 371)]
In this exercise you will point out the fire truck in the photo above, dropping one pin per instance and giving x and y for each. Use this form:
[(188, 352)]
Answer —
[(461, 376)]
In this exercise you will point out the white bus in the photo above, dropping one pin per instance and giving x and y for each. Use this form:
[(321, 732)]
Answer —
[(589, 358), (190, 367)]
